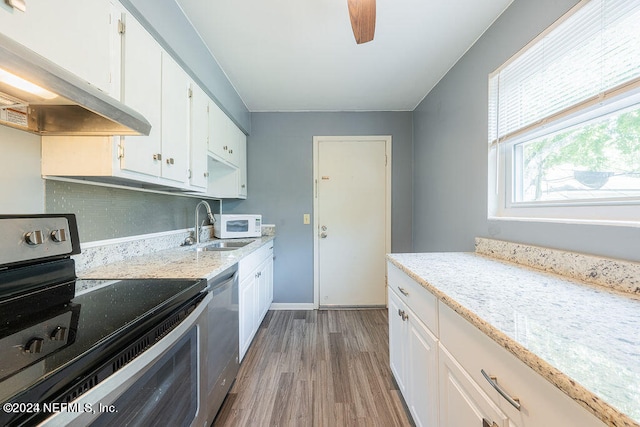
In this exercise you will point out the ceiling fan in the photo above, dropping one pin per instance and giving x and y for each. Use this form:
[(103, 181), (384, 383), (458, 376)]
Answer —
[(363, 19)]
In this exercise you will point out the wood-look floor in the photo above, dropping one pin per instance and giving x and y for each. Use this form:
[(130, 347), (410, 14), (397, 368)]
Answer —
[(316, 368)]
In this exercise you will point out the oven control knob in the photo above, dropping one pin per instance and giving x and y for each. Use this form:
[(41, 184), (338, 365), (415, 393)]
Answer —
[(33, 237), (34, 346), (58, 334), (59, 235)]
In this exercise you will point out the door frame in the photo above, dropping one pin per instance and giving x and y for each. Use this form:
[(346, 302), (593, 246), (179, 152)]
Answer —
[(315, 223)]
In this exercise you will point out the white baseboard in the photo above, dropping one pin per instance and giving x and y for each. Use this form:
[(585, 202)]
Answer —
[(292, 306)]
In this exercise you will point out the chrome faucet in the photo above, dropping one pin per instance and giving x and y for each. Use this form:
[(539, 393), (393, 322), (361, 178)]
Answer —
[(209, 215)]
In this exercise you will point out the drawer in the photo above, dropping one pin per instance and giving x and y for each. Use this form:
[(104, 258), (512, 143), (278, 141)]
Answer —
[(542, 403), (422, 302), (250, 262)]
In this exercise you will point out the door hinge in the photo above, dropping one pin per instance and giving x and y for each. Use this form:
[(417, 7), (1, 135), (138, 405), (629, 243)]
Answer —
[(121, 26), (190, 92), (120, 151), (386, 159)]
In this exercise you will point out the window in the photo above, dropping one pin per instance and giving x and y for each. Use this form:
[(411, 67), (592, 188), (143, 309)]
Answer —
[(564, 119)]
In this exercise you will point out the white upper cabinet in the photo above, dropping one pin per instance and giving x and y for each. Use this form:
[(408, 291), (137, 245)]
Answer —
[(193, 145), (141, 89), (228, 156), (74, 34), (199, 137), (240, 157), (221, 141), (217, 132), (175, 120)]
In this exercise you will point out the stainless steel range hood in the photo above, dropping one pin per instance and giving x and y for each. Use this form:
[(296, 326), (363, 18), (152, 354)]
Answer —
[(60, 103)]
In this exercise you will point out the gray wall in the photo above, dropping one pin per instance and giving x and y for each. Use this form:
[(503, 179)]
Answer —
[(165, 20), (280, 185), (450, 145)]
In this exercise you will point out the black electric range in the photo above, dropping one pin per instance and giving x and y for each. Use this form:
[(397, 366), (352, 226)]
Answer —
[(54, 344)]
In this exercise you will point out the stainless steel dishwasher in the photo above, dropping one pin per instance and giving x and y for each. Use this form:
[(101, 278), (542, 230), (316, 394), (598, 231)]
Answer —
[(220, 360)]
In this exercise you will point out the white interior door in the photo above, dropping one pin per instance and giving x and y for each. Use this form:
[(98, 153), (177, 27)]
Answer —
[(351, 220)]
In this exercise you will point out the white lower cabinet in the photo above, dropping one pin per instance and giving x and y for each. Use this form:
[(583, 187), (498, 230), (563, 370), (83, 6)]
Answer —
[(247, 294), (542, 403), (255, 293), (462, 401), (438, 358), (413, 356)]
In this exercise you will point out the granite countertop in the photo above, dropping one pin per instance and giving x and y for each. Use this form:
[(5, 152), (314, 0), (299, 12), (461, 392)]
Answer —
[(582, 338), (182, 262)]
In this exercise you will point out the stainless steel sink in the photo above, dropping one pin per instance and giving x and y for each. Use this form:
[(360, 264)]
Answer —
[(223, 246)]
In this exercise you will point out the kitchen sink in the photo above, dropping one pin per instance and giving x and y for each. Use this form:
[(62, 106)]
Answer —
[(222, 246)]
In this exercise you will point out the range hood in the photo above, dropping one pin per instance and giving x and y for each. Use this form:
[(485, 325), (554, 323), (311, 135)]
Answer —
[(41, 97)]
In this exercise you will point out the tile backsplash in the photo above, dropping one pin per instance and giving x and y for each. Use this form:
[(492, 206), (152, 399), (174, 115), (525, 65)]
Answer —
[(107, 213)]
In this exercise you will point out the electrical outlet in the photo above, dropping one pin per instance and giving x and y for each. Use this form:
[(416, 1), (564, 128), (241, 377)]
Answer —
[(306, 219)]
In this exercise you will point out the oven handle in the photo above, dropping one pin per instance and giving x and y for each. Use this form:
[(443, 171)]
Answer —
[(109, 390)]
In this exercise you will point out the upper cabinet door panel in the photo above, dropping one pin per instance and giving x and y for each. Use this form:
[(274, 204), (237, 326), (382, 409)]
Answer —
[(74, 34), (142, 91), (199, 137), (175, 120), (218, 132)]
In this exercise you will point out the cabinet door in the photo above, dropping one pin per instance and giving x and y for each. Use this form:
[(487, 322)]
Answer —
[(198, 138), (241, 161), (422, 368), (141, 90), (269, 284), (248, 308), (397, 341), (462, 401), (265, 288), (175, 120), (218, 133), (74, 34)]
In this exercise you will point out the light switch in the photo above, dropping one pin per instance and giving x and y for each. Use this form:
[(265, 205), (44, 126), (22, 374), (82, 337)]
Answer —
[(306, 219)]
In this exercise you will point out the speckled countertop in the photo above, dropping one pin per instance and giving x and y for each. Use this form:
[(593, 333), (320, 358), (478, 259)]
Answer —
[(182, 262), (582, 338)]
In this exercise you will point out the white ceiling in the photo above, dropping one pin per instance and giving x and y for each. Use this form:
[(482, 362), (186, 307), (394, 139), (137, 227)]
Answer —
[(300, 55)]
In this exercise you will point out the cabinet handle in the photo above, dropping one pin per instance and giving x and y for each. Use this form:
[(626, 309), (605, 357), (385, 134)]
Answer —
[(157, 156), (403, 315), (170, 161), (230, 151), (403, 291), (206, 174), (514, 401), (225, 148), (485, 423)]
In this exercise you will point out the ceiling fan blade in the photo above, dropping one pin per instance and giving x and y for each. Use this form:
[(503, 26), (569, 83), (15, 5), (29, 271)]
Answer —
[(363, 19)]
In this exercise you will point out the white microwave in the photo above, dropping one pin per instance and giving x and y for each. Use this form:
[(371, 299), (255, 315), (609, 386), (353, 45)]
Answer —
[(228, 226)]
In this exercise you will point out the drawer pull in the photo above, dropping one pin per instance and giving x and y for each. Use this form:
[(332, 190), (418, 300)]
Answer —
[(514, 401), (403, 291)]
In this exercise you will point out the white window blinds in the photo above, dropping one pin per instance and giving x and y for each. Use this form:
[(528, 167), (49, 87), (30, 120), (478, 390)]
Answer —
[(590, 54)]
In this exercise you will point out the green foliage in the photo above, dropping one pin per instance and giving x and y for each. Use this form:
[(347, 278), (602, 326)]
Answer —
[(612, 144)]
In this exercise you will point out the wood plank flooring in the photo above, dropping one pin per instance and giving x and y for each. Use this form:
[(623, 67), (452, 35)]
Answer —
[(317, 368)]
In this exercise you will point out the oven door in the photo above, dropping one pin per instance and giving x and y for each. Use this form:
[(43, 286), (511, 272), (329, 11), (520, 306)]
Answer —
[(162, 386)]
